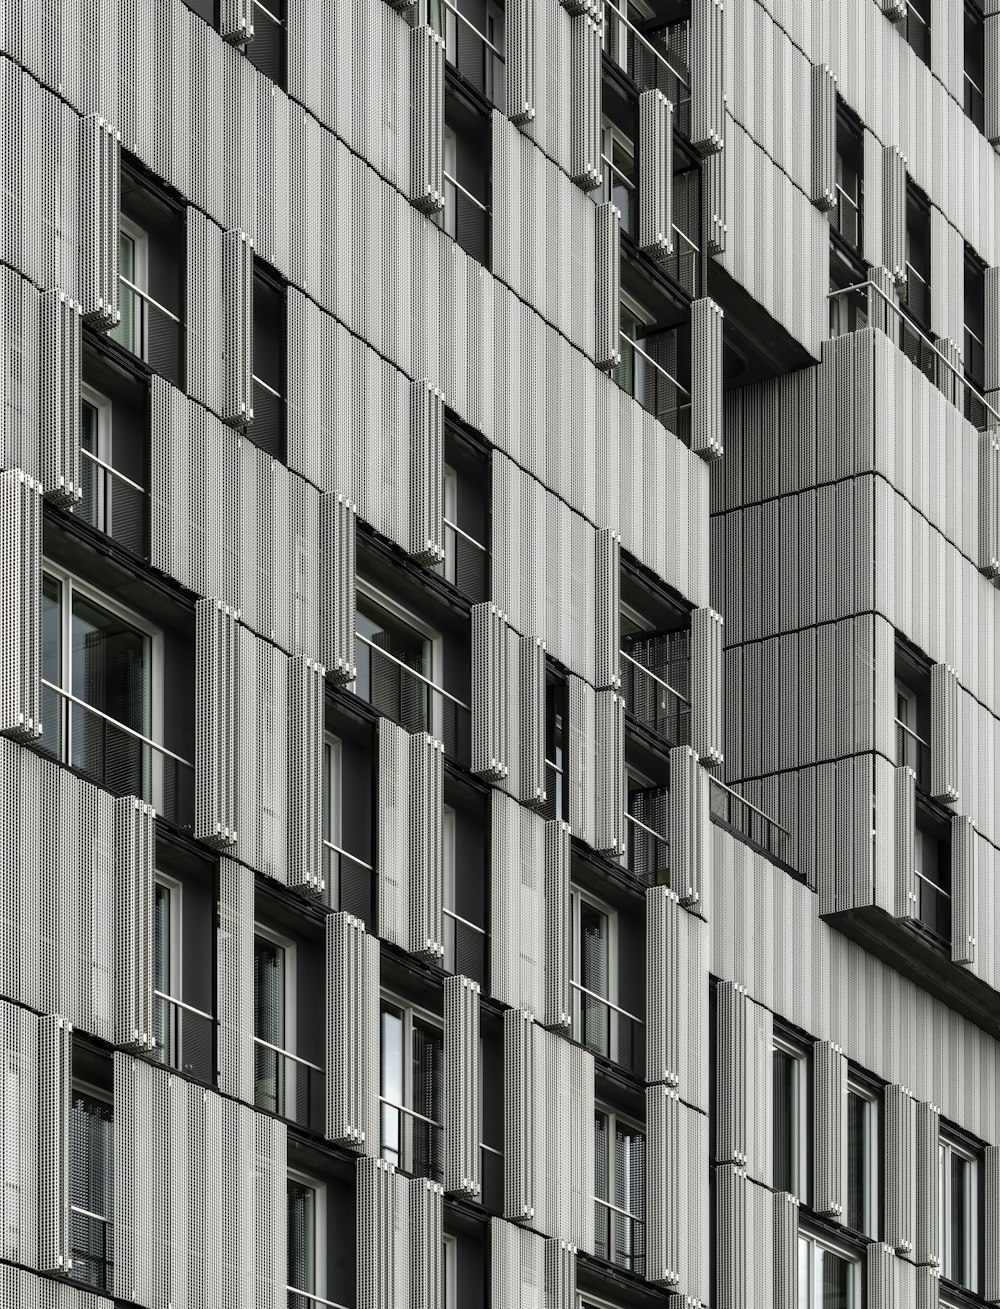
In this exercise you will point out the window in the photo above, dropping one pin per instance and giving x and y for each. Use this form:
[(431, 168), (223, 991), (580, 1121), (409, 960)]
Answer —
[(272, 1000), (918, 256), (959, 1204), (412, 1090), (828, 1278), (618, 169), (267, 49), (332, 816), (620, 1197), (269, 334), (306, 1241), (631, 372), (556, 778), (450, 1273), (166, 969), (918, 28), (594, 962), (974, 348), (933, 874), (91, 1188), (912, 717), (395, 660), (647, 825), (132, 274), (466, 162), (97, 499), (846, 214), (619, 43), (446, 218), (448, 884), (98, 679), (862, 1161), (790, 1120), (975, 64)]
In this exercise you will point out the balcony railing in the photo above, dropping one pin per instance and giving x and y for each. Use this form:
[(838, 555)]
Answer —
[(468, 50), (465, 563), (268, 427), (113, 503), (915, 752), (151, 331), (185, 1038), (555, 805), (411, 699), (974, 362), (654, 703), (934, 908), (975, 102), (647, 854), (464, 947), (114, 756), (607, 1029), (289, 1086), (306, 1299), (619, 1236), (620, 189), (92, 1246), (492, 1188), (267, 49), (846, 217), (739, 813), (660, 393), (412, 1141), (646, 64), (466, 219), (349, 883)]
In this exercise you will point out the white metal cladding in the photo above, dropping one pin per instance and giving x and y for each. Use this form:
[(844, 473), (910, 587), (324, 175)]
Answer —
[(580, 758), (426, 866), (733, 1196), (517, 904), (426, 1220), (677, 1210), (928, 1179), (677, 996), (100, 174), (610, 781), (519, 61), (135, 866), (690, 829), (462, 1087), (426, 488), (585, 71), (988, 559), (55, 1145), (490, 728), (991, 1209), (607, 346), (706, 686), (713, 172), (824, 136), (426, 119), (20, 305), (560, 1274), (894, 10), (236, 21), (525, 718), (306, 691), (656, 175), (964, 890), (608, 609), (829, 1078), (20, 605), (22, 1289), (786, 1251), (743, 1132), (400, 1238), (352, 1034), (900, 1164), (236, 979), (525, 1269), (708, 106), (905, 829), (393, 830), (548, 1132), (894, 213), (944, 734), (338, 588), (237, 325), (558, 1012), (706, 379), (216, 691), (206, 330), (59, 399)]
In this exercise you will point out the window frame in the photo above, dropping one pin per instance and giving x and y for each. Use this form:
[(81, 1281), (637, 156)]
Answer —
[(450, 1279), (81, 1086), (140, 279), (409, 1011), (813, 1241), (948, 1145), (288, 1068), (801, 1092), (433, 639), (870, 1166), (448, 886), (578, 896), (612, 1118), (319, 1236)]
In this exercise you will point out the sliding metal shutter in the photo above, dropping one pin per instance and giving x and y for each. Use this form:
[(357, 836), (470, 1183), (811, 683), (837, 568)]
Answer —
[(900, 1168), (905, 828), (991, 1209), (708, 105), (677, 997), (677, 1202), (580, 758), (519, 56), (881, 1277), (55, 1080), (991, 40), (690, 832), (237, 299), (607, 618), (656, 176), (743, 1123), (462, 1087), (518, 1117), (609, 759), (964, 890), (829, 1069), (989, 503), (526, 729), (786, 1251), (731, 1189), (338, 588), (585, 71), (713, 172), (824, 137), (216, 695), (944, 734), (135, 866), (306, 694), (236, 21), (59, 399), (706, 686), (393, 830), (426, 858), (352, 1034), (427, 119), (205, 327), (558, 926), (426, 1244), (526, 1270), (928, 1136), (608, 353), (20, 605), (894, 213), (236, 980), (489, 693), (517, 904), (100, 174), (560, 1275), (426, 489), (706, 379)]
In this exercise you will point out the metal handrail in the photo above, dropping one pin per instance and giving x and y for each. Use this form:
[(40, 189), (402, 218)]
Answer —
[(129, 731), (621, 18), (295, 1058), (659, 680), (450, 913), (273, 17), (602, 999), (975, 335), (491, 1149), (468, 194), (648, 830), (475, 30), (556, 768), (658, 366), (934, 886), (910, 732), (918, 16), (411, 1113), (182, 1004), (315, 1299), (973, 83), (850, 200), (615, 169), (86, 1213), (113, 471), (686, 239), (749, 804), (419, 676), (625, 1213), (265, 385), (464, 535), (919, 276), (144, 295), (347, 854)]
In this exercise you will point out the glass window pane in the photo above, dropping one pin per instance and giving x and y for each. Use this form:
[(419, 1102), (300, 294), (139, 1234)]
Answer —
[(835, 1281), (92, 1190), (595, 973), (391, 1083), (269, 1022), (301, 1240), (110, 662), (858, 1157), (960, 1179), (786, 1127), (427, 1073)]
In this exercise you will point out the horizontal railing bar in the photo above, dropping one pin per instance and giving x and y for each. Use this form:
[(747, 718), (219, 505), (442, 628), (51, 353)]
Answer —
[(615, 169), (605, 1001), (273, 17), (749, 804), (850, 200), (450, 913), (686, 239), (412, 671), (144, 295), (475, 30), (464, 535), (347, 854), (649, 673), (113, 471), (287, 1054), (648, 830), (619, 17), (182, 1004), (490, 1149), (468, 194), (933, 885), (555, 767), (975, 336), (919, 276), (910, 732), (160, 749), (266, 387), (411, 1113), (315, 1299), (659, 367), (86, 1213), (606, 1204)]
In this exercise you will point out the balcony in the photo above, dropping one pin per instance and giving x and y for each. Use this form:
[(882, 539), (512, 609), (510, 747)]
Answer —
[(647, 853), (648, 64), (113, 504), (652, 702), (465, 945), (657, 390), (412, 1141), (608, 1030), (846, 217), (619, 1236), (150, 331), (620, 189), (289, 1086), (465, 564), (749, 822), (185, 1038), (349, 883), (267, 49), (478, 58)]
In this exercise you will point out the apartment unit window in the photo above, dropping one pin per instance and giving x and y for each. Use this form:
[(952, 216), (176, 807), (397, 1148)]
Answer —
[(132, 275), (306, 1242), (974, 348), (791, 1087), (98, 701), (267, 49), (450, 1272), (269, 339), (465, 216), (395, 660), (631, 372), (272, 1001), (846, 214), (828, 1278), (618, 169), (918, 256), (620, 1195), (91, 1188), (594, 972), (647, 826), (448, 885), (933, 870), (412, 1090), (918, 28), (912, 747), (862, 1161), (619, 42), (959, 1205), (975, 64), (167, 1016)]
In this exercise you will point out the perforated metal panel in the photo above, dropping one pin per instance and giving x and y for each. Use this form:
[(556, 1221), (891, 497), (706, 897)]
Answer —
[(20, 605), (135, 866), (489, 699), (677, 1177), (426, 486), (989, 504), (236, 21), (426, 120), (786, 1251), (236, 979), (689, 827), (237, 299), (656, 176), (59, 399), (706, 686), (899, 1144), (991, 1199), (425, 851), (608, 609), (338, 591), (928, 1177), (558, 1011), (519, 61), (55, 1078), (707, 76), (462, 1087), (525, 1269), (829, 1079), (207, 327), (744, 1087), (706, 379), (944, 734), (216, 692), (517, 904), (352, 1035), (100, 170), (306, 694), (991, 45), (823, 85), (964, 890), (894, 214), (676, 997), (607, 350), (585, 40), (905, 829)]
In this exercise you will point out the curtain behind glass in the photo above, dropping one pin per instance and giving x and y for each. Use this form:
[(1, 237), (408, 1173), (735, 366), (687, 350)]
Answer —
[(301, 1242), (269, 1021), (785, 1122), (595, 976), (428, 1099), (92, 1190)]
